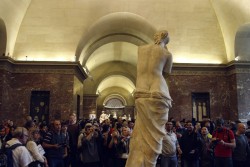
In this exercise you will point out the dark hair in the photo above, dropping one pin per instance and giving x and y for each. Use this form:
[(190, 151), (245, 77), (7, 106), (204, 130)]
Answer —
[(2, 127), (42, 125), (64, 123), (219, 121), (248, 123), (118, 125), (247, 134), (29, 124), (105, 128)]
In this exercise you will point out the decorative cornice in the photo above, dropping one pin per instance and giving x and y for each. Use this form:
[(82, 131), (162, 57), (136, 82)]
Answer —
[(90, 95), (193, 72), (233, 67), (8, 64), (198, 69), (238, 67), (54, 67)]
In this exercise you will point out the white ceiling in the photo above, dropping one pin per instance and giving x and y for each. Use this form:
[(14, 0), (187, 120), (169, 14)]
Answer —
[(97, 32)]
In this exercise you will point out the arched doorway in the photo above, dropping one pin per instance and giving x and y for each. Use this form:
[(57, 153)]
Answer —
[(115, 105)]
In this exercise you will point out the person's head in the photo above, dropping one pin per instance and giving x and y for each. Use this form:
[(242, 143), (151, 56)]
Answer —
[(161, 36), (96, 126), (106, 121), (207, 124), (29, 124), (10, 123), (28, 118), (233, 126), (34, 134), (241, 128), (178, 125), (248, 124), (119, 126), (21, 134), (120, 120), (248, 135), (172, 119), (88, 128), (125, 131), (12, 129), (2, 130), (72, 118), (190, 126), (219, 123), (43, 127), (57, 126), (105, 128), (169, 126), (64, 127), (204, 131), (125, 123), (198, 126), (131, 124)]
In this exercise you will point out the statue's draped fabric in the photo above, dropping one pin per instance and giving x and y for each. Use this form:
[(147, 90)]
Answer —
[(152, 114)]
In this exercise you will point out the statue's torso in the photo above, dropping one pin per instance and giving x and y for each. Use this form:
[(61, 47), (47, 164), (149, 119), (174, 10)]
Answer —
[(151, 63)]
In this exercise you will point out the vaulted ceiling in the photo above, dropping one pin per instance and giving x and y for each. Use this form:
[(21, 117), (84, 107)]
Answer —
[(104, 35)]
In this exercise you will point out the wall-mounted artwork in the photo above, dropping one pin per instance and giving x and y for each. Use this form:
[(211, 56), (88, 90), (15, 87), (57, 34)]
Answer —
[(39, 106)]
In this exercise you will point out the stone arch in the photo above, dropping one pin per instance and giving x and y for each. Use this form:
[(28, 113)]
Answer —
[(119, 26), (103, 71), (118, 91), (128, 84), (242, 43), (114, 73), (3, 38), (115, 96)]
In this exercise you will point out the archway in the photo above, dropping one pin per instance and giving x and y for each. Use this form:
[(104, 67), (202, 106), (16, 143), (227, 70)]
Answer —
[(120, 26), (3, 38)]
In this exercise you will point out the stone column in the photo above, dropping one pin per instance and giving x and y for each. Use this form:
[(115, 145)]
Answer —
[(239, 77)]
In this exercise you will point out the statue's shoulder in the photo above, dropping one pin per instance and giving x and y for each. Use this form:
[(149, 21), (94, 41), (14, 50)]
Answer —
[(144, 47)]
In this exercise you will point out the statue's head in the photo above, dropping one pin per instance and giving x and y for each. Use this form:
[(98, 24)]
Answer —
[(160, 36)]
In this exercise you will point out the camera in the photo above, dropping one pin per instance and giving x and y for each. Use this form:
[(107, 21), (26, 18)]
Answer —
[(215, 142)]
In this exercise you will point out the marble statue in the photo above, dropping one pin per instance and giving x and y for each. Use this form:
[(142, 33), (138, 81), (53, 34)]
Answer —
[(152, 102), (103, 117), (124, 117), (129, 117), (115, 116)]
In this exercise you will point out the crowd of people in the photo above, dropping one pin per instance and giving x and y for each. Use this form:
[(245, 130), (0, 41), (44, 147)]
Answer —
[(86, 143), (89, 143), (206, 144)]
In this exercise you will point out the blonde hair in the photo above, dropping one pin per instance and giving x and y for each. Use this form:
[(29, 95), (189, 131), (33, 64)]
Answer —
[(19, 132), (32, 131), (159, 36), (72, 114)]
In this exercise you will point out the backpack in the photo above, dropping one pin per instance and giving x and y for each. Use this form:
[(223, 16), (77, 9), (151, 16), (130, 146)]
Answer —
[(6, 158)]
